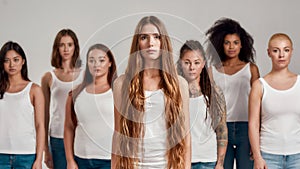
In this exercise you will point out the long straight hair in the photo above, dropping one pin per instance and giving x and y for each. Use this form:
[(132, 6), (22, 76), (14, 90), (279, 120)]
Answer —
[(133, 103), (4, 82)]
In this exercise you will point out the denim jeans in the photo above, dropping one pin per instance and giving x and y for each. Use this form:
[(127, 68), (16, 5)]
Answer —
[(58, 153), (16, 161), (92, 163), (282, 161), (238, 146), (201, 165)]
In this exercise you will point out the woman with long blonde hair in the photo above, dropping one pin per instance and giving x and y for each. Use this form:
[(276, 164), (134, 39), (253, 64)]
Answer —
[(151, 104)]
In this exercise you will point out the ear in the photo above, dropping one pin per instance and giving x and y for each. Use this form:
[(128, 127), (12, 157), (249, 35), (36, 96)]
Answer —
[(109, 64), (268, 51), (23, 62)]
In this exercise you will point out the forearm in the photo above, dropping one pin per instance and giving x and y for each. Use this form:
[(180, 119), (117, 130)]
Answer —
[(222, 140), (69, 143), (40, 140), (188, 152), (254, 140)]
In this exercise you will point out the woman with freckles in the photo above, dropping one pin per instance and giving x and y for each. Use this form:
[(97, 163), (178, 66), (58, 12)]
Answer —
[(274, 114)]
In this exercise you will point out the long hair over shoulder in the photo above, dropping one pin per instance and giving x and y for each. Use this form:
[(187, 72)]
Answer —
[(208, 89), (4, 82), (133, 103)]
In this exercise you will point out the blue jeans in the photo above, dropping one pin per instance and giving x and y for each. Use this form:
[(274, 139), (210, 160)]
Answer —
[(92, 163), (16, 161), (282, 161), (201, 165), (238, 146), (58, 153)]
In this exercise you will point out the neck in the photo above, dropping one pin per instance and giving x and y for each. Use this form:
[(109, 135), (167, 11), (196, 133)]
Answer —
[(66, 65), (194, 88), (281, 72), (98, 81), (232, 61), (151, 73), (15, 79)]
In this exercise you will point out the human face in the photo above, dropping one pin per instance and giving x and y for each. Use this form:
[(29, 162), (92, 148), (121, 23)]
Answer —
[(280, 51), (98, 63), (232, 45), (66, 47), (192, 64), (13, 63), (149, 42)]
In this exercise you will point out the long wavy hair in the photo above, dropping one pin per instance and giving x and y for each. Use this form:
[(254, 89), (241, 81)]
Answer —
[(206, 84), (133, 103), (4, 82), (217, 33), (56, 59), (88, 78)]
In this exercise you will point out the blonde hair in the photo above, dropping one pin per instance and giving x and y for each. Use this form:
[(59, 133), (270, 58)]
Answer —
[(133, 102), (280, 36)]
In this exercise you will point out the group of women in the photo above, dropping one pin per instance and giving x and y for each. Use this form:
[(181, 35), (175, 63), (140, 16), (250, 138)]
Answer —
[(157, 114)]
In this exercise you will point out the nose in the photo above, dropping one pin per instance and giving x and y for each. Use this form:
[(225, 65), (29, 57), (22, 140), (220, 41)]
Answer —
[(66, 48), (11, 63), (192, 66), (151, 41), (281, 54)]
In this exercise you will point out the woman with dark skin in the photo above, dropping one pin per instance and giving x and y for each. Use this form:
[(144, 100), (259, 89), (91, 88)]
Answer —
[(235, 72)]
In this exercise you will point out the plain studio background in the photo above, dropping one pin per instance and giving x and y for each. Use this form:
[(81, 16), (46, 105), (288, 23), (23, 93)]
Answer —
[(34, 24)]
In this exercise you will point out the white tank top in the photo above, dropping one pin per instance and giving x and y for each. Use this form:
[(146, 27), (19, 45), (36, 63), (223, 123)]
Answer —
[(17, 124), (204, 142), (280, 119), (59, 94), (95, 128), (236, 89), (154, 154)]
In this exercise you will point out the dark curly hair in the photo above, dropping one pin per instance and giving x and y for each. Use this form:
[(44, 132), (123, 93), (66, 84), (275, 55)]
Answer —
[(217, 33)]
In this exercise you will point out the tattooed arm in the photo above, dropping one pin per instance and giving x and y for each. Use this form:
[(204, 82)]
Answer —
[(221, 129)]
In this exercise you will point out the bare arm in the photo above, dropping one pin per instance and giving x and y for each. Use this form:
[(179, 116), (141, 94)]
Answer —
[(45, 84), (254, 123), (38, 103), (254, 73), (117, 116), (69, 133), (184, 89), (221, 129)]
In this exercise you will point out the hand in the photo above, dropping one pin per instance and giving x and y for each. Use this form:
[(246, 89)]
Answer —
[(219, 166), (260, 163), (72, 165), (48, 159), (37, 165)]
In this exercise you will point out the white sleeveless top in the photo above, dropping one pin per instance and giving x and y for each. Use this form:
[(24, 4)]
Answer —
[(236, 89), (280, 119), (95, 127), (154, 154), (17, 124), (59, 94), (204, 141)]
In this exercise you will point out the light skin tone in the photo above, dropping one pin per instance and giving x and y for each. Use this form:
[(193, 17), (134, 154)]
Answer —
[(192, 64), (98, 66), (150, 45), (66, 74), (12, 65), (281, 78), (232, 64)]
